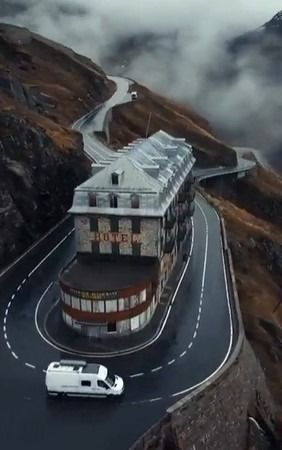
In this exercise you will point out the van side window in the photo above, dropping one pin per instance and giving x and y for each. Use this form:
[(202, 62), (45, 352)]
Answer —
[(101, 384), (85, 383)]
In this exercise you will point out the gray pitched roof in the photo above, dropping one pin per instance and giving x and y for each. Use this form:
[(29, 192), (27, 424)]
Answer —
[(153, 168), (133, 178)]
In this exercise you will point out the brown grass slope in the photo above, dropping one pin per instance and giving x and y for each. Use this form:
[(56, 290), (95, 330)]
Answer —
[(72, 84), (43, 88), (131, 120), (252, 209)]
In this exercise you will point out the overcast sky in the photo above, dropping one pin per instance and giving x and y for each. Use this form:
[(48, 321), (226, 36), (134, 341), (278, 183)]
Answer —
[(104, 19), (204, 26)]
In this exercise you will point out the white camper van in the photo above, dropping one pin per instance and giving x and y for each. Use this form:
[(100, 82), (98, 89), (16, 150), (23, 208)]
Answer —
[(133, 95), (78, 378)]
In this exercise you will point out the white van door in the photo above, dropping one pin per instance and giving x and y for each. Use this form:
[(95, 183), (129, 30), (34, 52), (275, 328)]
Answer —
[(85, 387), (103, 388)]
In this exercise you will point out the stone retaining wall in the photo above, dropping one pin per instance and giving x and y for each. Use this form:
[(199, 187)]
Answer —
[(215, 416)]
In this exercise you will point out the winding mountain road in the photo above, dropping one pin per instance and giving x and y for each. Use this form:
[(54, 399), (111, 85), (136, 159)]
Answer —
[(195, 343)]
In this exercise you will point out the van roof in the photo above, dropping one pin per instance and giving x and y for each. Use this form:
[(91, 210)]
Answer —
[(74, 366)]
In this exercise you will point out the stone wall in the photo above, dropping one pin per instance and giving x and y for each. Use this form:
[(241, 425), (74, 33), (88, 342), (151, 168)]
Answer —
[(149, 235), (215, 416)]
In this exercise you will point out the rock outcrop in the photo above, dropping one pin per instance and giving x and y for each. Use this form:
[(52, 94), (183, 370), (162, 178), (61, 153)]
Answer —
[(43, 87), (36, 183)]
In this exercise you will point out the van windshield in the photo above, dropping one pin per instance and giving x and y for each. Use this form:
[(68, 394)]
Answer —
[(110, 379)]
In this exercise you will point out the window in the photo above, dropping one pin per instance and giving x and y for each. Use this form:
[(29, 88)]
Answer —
[(75, 302), (92, 199), (115, 178), (134, 300), (111, 305), (110, 379), (112, 327), (85, 383), (103, 385), (113, 201), (135, 201)]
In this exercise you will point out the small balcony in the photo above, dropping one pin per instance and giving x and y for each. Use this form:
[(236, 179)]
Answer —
[(191, 194), (182, 197), (182, 216), (188, 183), (181, 233), (169, 246), (170, 222)]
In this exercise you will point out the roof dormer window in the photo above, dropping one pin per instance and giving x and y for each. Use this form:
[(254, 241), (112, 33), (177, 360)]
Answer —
[(115, 178)]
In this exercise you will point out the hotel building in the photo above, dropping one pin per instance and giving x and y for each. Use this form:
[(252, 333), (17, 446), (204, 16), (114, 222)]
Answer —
[(131, 219)]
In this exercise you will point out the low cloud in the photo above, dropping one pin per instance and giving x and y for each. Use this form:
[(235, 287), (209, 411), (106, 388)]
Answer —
[(182, 67)]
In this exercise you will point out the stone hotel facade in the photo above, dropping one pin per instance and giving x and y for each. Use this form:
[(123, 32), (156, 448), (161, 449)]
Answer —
[(131, 218)]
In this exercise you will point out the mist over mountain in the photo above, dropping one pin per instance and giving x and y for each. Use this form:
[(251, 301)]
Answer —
[(202, 54)]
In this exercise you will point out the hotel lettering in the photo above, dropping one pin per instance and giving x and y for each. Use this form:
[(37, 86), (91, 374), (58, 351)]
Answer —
[(113, 237)]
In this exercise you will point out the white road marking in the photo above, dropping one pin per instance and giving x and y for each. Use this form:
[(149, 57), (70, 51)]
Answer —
[(135, 375), (8, 345), (156, 369), (72, 352), (190, 345), (14, 355), (5, 336), (5, 320), (155, 399), (50, 253), (35, 317), (169, 309), (185, 391), (183, 354), (30, 365), (23, 255)]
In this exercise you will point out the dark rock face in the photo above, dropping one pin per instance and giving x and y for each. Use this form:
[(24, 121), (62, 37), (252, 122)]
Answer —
[(36, 183), (44, 87), (31, 96)]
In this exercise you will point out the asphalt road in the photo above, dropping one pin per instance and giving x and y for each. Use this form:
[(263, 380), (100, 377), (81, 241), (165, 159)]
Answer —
[(94, 148), (195, 343)]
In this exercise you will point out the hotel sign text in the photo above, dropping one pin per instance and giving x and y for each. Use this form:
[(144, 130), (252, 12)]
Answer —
[(92, 295), (113, 237)]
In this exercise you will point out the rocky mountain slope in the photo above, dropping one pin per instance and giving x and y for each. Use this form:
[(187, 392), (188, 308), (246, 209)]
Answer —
[(250, 69), (252, 209), (45, 86)]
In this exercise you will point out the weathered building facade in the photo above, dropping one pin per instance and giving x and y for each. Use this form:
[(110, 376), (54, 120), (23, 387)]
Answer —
[(131, 217)]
